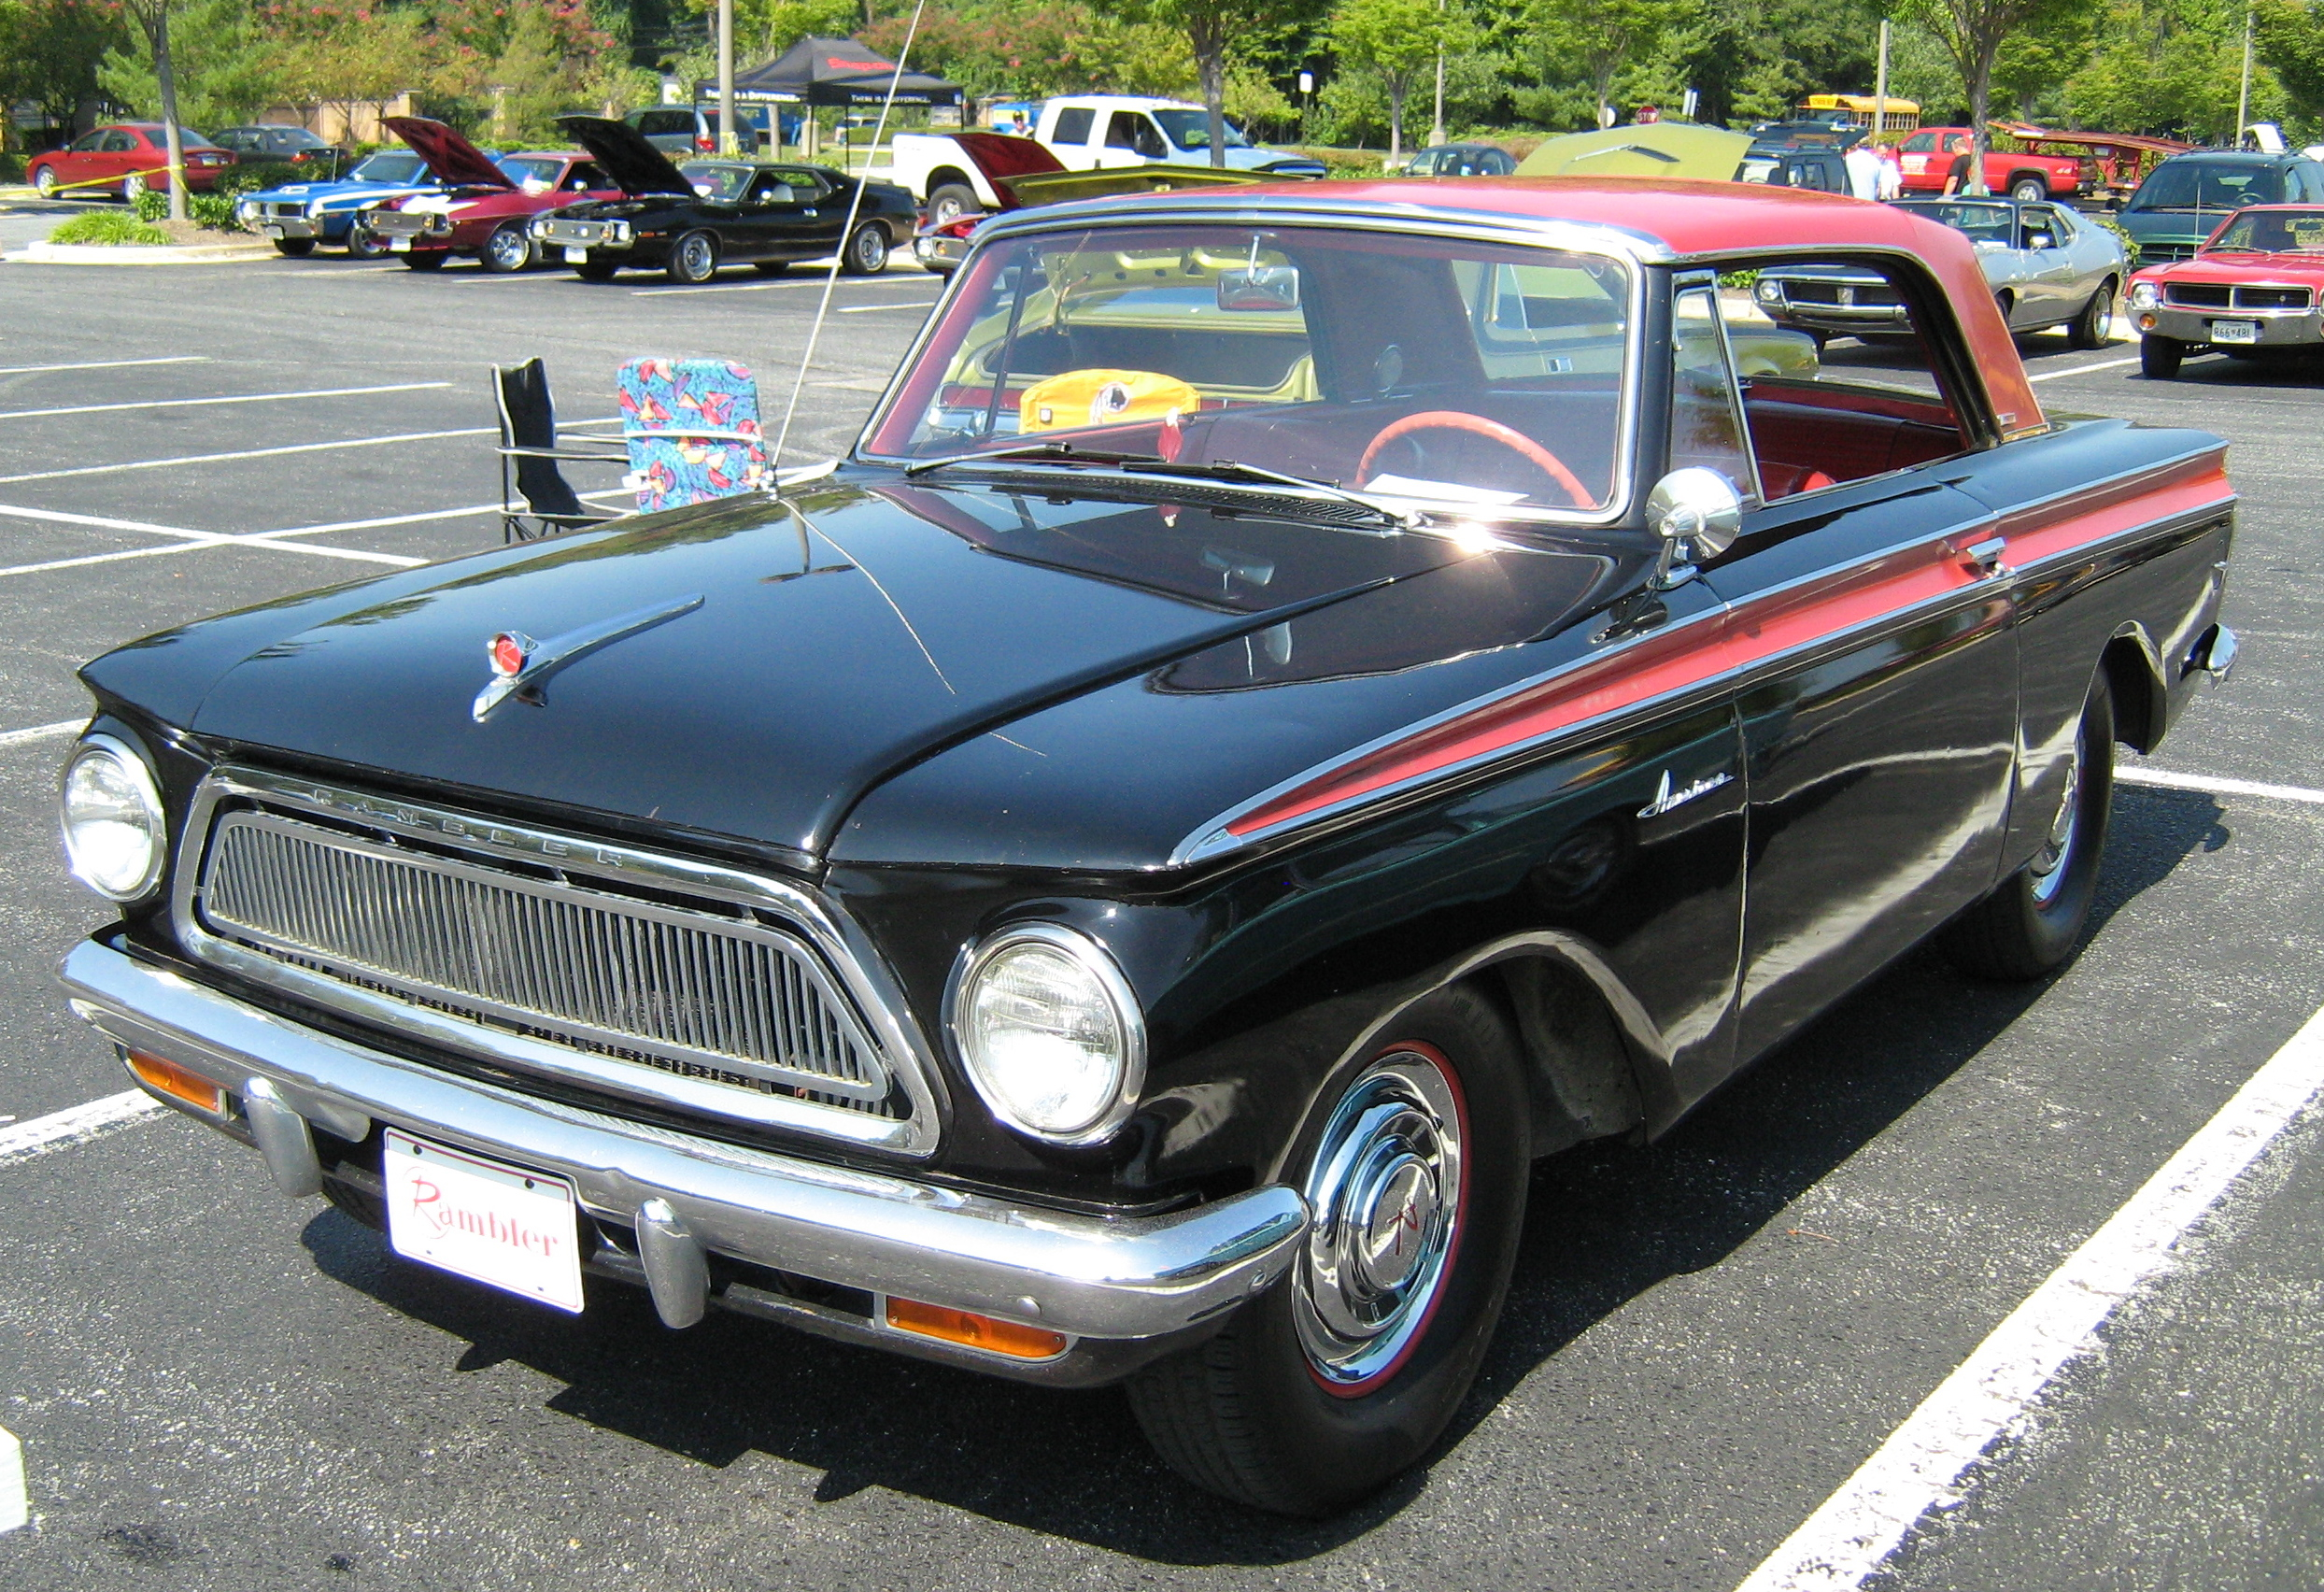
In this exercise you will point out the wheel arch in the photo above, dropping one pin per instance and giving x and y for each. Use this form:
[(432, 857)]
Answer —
[(2133, 671)]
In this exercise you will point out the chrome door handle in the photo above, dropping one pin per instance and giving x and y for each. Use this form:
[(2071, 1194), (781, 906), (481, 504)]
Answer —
[(1985, 556)]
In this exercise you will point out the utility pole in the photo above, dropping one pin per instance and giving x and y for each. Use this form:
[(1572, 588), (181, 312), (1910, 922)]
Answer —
[(727, 143), (1436, 128), (2243, 95), (1879, 85)]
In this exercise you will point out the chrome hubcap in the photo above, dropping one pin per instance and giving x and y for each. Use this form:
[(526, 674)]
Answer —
[(696, 256), (1385, 1190), (509, 248), (2049, 870), (871, 250)]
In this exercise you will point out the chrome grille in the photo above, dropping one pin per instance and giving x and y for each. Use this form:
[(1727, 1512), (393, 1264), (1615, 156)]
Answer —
[(725, 999)]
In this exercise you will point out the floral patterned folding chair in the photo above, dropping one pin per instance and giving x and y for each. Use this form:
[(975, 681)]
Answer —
[(692, 430)]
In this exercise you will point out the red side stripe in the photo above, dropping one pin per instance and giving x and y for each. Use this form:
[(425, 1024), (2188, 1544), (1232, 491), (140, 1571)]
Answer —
[(1756, 630)]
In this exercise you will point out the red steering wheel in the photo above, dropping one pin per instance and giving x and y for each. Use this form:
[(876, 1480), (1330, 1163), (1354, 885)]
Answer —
[(1516, 442)]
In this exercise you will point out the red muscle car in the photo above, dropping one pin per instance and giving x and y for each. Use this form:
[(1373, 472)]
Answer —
[(2250, 293), (487, 212), (1928, 155)]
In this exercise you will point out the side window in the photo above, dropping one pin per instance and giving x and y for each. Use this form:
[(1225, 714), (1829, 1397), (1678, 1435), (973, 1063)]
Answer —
[(1836, 379), (2313, 176), (1705, 409), (88, 143), (2040, 227), (119, 143), (1146, 138), (1073, 125), (585, 176), (1921, 144)]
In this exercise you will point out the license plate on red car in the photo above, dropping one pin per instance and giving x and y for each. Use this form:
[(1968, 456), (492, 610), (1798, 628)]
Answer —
[(483, 1220), (2235, 331)]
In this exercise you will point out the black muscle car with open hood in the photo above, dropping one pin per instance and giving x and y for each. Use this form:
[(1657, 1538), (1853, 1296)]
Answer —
[(688, 220), (1300, 702)]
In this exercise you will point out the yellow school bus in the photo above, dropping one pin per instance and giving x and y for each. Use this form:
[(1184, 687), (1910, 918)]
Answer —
[(1897, 116)]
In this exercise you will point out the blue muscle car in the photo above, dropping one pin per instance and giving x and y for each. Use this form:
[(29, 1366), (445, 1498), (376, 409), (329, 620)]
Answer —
[(300, 214)]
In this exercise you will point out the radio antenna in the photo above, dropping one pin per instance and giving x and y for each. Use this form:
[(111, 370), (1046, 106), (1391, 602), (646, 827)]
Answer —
[(846, 235)]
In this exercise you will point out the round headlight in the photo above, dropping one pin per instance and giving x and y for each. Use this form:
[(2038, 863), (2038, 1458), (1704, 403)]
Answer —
[(2143, 296), (1051, 1033), (114, 838), (1769, 291)]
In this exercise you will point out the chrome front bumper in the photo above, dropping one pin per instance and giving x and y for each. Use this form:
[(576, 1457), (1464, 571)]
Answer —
[(288, 226), (2278, 328), (1111, 1279)]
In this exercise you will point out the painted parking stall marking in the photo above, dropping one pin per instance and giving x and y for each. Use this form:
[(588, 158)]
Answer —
[(76, 1125), (15, 1507), (103, 364), (2170, 779), (232, 398), (1990, 1395)]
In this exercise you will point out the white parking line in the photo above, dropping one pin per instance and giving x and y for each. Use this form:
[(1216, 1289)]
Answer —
[(2084, 370), (15, 1508), (716, 288), (2169, 780), (202, 403), (188, 541), (105, 365), (25, 738), (861, 308), (247, 453), (75, 1125), (1990, 1397)]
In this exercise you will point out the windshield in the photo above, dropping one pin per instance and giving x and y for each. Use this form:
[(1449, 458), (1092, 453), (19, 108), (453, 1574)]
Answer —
[(716, 181), (390, 166), (2272, 232), (1434, 369), (1191, 130), (2206, 185), (1985, 223)]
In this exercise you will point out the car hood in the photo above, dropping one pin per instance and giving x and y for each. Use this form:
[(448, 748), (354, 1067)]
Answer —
[(628, 158), (838, 638), (345, 188), (2305, 270), (448, 155)]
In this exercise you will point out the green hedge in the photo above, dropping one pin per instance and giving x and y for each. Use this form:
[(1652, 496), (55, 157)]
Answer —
[(108, 227)]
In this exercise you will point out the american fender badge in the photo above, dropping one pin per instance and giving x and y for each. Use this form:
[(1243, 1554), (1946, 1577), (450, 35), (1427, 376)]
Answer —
[(1666, 798), (520, 663)]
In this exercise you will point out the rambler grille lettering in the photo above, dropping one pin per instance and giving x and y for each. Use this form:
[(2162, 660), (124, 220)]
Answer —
[(720, 998)]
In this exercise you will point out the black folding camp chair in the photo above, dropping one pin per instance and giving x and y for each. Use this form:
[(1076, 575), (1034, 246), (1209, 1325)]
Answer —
[(529, 453)]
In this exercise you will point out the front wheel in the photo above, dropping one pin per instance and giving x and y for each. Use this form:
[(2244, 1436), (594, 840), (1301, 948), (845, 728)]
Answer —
[(1342, 1376), (693, 259), (2159, 357), (132, 186), (2091, 329), (866, 254), (2028, 190), (296, 247), (2030, 925), (364, 243), (949, 202), (507, 249)]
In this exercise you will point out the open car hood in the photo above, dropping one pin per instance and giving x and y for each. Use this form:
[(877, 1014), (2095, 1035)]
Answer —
[(633, 163), (451, 157)]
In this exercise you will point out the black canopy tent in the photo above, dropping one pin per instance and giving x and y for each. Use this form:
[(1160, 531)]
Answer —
[(836, 71)]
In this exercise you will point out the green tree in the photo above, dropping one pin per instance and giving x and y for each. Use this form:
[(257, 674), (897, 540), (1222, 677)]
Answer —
[(51, 52), (1597, 38), (222, 61), (1397, 39), (2172, 68), (1211, 29), (1973, 33)]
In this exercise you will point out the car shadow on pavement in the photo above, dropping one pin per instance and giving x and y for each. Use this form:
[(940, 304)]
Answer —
[(1612, 1221)]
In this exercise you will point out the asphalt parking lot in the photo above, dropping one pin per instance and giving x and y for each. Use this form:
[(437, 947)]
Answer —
[(216, 1387)]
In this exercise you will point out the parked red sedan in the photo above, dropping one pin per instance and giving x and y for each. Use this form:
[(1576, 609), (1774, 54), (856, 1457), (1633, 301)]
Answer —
[(127, 158), (2251, 293), (484, 212)]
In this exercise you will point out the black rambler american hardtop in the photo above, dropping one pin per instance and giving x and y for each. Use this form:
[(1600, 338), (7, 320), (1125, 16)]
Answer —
[(1300, 702)]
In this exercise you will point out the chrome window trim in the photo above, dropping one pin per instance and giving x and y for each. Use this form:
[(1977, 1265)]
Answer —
[(1211, 839), (1633, 250), (847, 953)]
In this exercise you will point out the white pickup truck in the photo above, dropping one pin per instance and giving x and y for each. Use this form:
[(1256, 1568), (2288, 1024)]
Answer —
[(1085, 132)]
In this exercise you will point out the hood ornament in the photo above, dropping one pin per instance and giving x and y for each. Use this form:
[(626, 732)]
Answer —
[(520, 663)]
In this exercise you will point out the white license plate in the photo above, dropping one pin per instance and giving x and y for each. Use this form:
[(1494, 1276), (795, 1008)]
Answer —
[(486, 1221), (576, 256), (399, 246), (2235, 331), (271, 230)]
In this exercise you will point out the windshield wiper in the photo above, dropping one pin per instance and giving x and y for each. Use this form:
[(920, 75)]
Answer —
[(1063, 452)]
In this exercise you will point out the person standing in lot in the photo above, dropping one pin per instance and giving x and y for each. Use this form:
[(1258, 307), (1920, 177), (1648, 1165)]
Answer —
[(1864, 172)]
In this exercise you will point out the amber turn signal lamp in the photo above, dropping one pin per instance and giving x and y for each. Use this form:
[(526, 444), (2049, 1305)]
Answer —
[(976, 1331), (177, 1083)]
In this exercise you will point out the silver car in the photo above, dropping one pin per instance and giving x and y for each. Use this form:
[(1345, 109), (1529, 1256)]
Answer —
[(2046, 266)]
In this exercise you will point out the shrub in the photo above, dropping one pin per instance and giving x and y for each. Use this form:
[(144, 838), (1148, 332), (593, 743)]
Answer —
[(108, 227), (213, 211), (152, 205)]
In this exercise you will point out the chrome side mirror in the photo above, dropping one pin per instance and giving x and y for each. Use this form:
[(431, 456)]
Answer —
[(1698, 513)]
